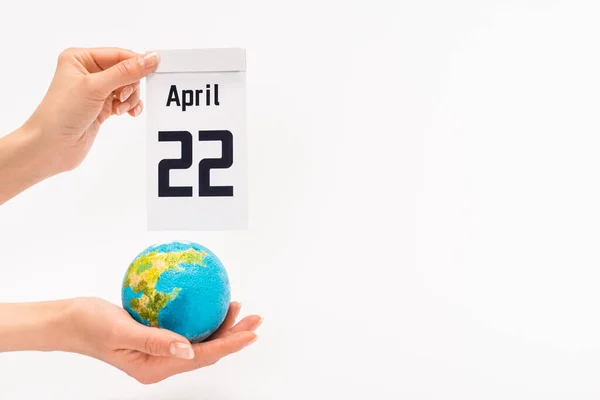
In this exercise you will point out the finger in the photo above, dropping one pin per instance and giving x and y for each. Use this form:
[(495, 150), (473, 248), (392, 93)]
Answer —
[(208, 353), (121, 108), (249, 323), (116, 105), (106, 57), (137, 109), (125, 92), (232, 314), (156, 342), (106, 110), (124, 73)]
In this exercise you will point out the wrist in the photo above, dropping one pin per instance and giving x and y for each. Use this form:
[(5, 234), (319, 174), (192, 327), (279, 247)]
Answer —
[(73, 326), (43, 155), (62, 327), (43, 326), (24, 161)]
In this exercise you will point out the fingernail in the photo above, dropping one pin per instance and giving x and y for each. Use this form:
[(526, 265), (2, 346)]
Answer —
[(150, 60), (137, 110), (259, 323), (125, 93), (122, 108), (182, 350)]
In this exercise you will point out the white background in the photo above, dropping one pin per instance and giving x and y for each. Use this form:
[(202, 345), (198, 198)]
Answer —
[(424, 202)]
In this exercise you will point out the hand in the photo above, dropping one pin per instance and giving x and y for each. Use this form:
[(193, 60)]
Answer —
[(108, 333), (88, 87)]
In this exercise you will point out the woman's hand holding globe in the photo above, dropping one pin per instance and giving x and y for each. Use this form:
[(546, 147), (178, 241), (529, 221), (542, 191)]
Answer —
[(102, 330), (108, 333)]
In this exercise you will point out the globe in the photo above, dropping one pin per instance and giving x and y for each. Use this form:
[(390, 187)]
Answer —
[(179, 286)]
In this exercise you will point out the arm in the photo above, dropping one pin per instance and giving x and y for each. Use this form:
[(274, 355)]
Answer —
[(24, 161), (34, 326)]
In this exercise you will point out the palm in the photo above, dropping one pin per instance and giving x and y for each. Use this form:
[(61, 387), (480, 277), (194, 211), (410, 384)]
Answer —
[(230, 337)]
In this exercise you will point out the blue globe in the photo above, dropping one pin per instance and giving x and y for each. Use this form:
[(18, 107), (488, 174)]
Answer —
[(179, 286)]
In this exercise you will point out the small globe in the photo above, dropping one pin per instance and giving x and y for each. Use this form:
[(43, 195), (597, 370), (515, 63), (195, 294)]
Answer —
[(179, 286)]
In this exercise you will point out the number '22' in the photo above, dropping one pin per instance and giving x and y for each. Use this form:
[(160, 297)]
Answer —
[(204, 167)]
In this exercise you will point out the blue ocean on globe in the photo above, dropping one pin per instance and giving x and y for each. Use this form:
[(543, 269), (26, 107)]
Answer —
[(179, 286)]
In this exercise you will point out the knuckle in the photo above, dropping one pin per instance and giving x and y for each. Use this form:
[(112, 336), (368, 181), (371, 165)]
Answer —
[(128, 67), (151, 345), (204, 360), (88, 83), (67, 53), (133, 100), (93, 87)]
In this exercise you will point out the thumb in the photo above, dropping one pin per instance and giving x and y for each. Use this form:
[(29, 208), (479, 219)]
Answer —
[(158, 342), (126, 72)]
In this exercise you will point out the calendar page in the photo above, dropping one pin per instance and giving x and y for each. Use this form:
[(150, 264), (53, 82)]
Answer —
[(196, 141)]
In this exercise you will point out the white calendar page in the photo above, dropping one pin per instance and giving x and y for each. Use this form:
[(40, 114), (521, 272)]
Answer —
[(196, 141)]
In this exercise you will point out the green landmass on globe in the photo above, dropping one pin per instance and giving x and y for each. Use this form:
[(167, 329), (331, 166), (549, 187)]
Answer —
[(143, 275)]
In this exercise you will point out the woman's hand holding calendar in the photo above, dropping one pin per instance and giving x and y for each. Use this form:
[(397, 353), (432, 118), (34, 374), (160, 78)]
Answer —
[(89, 86)]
